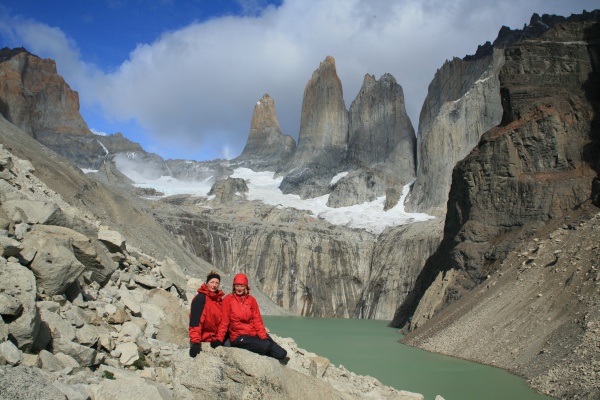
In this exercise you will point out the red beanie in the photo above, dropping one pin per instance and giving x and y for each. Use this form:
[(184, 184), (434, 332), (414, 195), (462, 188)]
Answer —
[(241, 279)]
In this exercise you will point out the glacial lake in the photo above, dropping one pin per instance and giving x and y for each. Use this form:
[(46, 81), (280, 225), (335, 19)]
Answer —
[(369, 347)]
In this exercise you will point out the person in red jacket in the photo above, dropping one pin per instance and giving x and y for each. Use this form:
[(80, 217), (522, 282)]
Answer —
[(242, 320), (205, 314)]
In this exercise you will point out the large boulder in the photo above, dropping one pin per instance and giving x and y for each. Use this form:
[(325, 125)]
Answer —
[(88, 251), (26, 383), (54, 265), (19, 283), (239, 374)]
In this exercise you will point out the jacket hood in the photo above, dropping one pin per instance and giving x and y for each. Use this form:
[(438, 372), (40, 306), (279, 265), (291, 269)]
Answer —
[(241, 279)]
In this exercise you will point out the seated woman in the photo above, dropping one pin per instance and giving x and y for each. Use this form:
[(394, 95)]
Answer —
[(205, 314), (241, 318)]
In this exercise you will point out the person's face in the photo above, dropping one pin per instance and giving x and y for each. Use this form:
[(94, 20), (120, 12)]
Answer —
[(239, 289), (213, 284)]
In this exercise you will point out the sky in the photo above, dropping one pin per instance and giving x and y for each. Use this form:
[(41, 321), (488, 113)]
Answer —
[(181, 77)]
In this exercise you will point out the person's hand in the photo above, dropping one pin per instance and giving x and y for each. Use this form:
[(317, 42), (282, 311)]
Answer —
[(195, 348), (216, 343)]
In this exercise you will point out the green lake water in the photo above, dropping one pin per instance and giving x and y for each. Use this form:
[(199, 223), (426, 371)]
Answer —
[(369, 347)]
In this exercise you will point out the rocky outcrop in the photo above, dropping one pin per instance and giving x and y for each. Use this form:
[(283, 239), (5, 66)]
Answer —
[(536, 316), (267, 149), (228, 190), (381, 136), (463, 102), (536, 167), (302, 263), (35, 98), (323, 135)]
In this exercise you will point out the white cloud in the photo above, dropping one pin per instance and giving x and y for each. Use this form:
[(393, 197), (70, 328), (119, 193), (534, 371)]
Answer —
[(194, 89)]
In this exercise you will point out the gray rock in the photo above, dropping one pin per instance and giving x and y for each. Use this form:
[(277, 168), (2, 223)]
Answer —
[(71, 392), (84, 355), (10, 306), (148, 281), (9, 354), (26, 383), (9, 247), (33, 212), (228, 190), (128, 353), (3, 330), (323, 135), (58, 326), (19, 282), (381, 136), (356, 188), (49, 361), (463, 102), (54, 265), (113, 240), (173, 272), (87, 335), (131, 388), (88, 251), (266, 148), (67, 360)]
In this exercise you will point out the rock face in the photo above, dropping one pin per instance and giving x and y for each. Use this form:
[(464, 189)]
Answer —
[(35, 98), (381, 136), (323, 135), (267, 148), (463, 102), (527, 175), (305, 264), (38, 101)]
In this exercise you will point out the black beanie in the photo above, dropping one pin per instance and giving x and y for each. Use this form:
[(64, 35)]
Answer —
[(213, 275)]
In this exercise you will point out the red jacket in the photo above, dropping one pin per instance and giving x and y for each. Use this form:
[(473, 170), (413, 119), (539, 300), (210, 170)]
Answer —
[(241, 316), (205, 315)]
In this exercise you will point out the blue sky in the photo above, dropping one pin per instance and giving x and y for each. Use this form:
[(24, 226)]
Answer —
[(182, 77)]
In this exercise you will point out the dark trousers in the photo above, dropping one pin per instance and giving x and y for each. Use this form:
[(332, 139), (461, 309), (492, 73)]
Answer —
[(265, 347)]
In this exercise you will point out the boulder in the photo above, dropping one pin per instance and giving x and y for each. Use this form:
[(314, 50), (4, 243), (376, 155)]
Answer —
[(173, 272), (54, 265), (9, 247), (26, 383), (84, 355), (9, 305), (57, 326), (236, 374), (128, 353), (89, 252), (131, 388), (9, 354), (357, 187), (33, 212), (113, 240), (19, 282), (228, 190), (49, 361)]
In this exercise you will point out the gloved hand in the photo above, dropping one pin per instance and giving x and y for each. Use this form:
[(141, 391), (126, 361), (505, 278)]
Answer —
[(195, 348), (216, 343)]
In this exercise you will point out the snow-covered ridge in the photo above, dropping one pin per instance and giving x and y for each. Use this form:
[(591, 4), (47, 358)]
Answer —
[(262, 186)]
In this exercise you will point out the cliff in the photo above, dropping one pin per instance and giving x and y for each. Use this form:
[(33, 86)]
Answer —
[(527, 177), (266, 148)]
